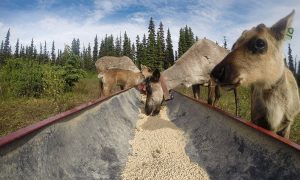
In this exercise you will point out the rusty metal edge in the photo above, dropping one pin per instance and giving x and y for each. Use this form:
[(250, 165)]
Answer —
[(245, 122), (46, 122)]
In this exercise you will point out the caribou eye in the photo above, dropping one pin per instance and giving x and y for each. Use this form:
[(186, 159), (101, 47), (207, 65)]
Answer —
[(258, 45)]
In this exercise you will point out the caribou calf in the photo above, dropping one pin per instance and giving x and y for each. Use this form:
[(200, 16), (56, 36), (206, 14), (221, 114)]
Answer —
[(257, 60)]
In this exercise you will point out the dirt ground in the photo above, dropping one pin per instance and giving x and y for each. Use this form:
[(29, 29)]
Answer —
[(158, 151)]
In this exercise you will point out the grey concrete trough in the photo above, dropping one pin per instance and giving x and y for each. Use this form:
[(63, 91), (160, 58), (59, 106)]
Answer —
[(93, 143)]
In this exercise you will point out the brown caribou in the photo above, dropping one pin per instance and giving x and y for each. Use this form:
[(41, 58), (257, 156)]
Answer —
[(192, 68), (111, 78), (257, 60), (118, 71)]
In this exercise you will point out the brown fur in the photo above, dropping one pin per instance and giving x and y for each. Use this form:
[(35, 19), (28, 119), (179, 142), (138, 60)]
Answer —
[(275, 98), (111, 78)]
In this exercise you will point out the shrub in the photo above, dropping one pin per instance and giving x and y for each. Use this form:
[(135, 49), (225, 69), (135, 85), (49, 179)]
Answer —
[(20, 77)]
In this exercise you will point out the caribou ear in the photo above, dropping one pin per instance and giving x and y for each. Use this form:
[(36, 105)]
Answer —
[(279, 29), (156, 75)]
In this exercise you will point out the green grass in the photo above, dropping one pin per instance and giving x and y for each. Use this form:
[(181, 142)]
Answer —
[(21, 112), (227, 103)]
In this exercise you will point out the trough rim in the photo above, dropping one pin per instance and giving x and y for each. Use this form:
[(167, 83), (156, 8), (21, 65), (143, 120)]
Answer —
[(13, 136), (245, 122), (9, 138)]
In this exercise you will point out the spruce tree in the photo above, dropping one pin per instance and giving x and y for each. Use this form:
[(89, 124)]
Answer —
[(53, 57), (77, 52), (6, 46), (144, 51), (225, 43), (95, 49), (102, 49), (169, 51), (127, 46), (1, 53), (89, 58), (74, 46), (118, 47), (31, 48), (151, 47), (17, 53), (22, 51), (161, 47), (298, 74), (2, 47), (181, 42), (176, 55), (34, 52), (138, 51), (45, 55), (290, 59), (132, 53)]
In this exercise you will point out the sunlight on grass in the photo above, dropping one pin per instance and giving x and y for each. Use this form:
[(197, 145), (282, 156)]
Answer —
[(21, 112)]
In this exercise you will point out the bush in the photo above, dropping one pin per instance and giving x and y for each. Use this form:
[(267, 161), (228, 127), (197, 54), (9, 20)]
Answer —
[(72, 71), (28, 78), (20, 77)]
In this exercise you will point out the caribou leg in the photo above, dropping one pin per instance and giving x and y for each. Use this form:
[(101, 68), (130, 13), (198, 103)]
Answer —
[(237, 103), (196, 91), (217, 94), (211, 93)]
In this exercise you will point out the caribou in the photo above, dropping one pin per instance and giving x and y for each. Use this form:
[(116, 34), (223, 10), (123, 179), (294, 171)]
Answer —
[(119, 72), (192, 68), (257, 60)]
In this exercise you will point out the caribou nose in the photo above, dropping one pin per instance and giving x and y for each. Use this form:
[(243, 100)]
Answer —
[(218, 73)]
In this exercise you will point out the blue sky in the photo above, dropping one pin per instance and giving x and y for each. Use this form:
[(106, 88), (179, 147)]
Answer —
[(63, 20)]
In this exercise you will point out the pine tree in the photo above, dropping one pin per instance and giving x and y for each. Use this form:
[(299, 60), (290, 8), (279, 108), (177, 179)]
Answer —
[(53, 52), (151, 47), (95, 50), (290, 59), (17, 54), (225, 43), (169, 51)]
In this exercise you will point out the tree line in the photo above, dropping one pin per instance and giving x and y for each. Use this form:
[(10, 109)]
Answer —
[(153, 49)]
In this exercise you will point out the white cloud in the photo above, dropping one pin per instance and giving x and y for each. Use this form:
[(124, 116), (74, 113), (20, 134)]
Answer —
[(213, 19)]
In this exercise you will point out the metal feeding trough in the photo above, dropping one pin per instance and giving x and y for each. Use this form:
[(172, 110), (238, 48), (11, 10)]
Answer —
[(92, 142)]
